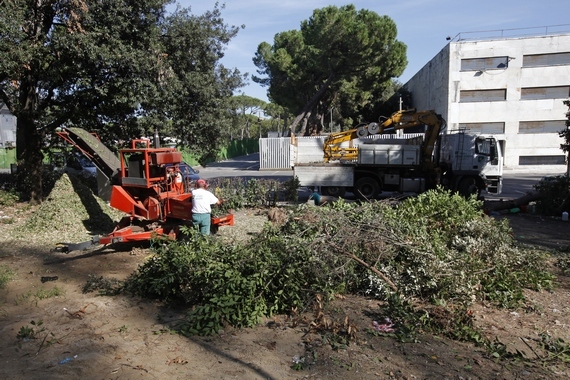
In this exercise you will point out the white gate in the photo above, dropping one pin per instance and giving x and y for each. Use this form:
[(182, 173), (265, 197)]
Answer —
[(274, 153)]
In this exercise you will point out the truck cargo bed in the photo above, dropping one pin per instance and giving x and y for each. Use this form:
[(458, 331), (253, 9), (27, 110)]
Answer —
[(325, 174)]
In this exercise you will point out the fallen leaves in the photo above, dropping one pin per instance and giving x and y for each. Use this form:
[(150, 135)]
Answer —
[(176, 360), (79, 314)]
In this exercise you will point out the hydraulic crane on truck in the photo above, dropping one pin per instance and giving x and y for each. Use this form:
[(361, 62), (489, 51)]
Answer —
[(399, 120), (463, 162), (142, 187)]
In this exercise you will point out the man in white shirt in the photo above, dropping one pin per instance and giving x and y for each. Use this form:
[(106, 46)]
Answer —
[(202, 200)]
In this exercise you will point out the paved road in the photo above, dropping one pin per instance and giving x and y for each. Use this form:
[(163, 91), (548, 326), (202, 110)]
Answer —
[(243, 166), (516, 185)]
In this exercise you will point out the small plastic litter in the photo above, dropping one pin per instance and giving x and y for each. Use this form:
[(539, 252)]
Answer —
[(386, 327), (67, 360), (52, 278)]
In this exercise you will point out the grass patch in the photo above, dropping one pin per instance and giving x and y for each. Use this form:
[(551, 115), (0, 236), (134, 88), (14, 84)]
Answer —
[(40, 294), (6, 275), (8, 198)]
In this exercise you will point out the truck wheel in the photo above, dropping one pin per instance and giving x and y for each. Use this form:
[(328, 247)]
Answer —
[(335, 191), (468, 187), (366, 188)]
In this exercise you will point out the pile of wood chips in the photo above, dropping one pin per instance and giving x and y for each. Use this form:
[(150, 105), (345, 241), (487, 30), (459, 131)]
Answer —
[(71, 213)]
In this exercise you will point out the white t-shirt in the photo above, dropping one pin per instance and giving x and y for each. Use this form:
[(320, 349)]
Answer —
[(201, 201)]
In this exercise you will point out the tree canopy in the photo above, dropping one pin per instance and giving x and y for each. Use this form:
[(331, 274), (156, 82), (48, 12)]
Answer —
[(122, 68), (246, 111), (341, 57)]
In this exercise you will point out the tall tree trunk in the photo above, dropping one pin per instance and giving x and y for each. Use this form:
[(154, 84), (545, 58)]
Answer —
[(321, 124), (311, 104), (29, 146), (303, 130)]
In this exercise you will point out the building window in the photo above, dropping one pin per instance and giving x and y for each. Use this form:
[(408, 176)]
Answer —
[(542, 126), (482, 95), (483, 128), (542, 160), (533, 93), (474, 64), (553, 59)]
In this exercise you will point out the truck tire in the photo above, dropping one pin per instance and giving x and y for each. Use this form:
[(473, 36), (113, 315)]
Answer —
[(468, 187), (366, 188), (335, 191)]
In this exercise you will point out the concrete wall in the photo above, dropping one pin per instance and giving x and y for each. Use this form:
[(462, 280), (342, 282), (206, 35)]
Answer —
[(429, 86), (7, 128), (439, 83)]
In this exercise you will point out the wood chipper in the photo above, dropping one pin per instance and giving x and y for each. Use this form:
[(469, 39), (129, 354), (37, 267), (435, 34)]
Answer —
[(143, 186)]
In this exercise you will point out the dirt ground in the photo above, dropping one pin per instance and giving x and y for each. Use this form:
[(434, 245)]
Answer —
[(85, 336)]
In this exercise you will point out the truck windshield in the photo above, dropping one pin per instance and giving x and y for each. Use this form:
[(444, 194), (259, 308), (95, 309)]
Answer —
[(483, 146)]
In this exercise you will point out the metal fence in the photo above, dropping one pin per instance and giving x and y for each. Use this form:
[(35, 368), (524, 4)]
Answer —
[(274, 153)]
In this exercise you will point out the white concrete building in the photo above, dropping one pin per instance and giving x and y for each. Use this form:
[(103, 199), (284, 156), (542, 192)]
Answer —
[(512, 88)]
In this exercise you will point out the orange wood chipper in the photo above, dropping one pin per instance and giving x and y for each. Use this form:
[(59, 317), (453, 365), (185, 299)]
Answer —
[(142, 186)]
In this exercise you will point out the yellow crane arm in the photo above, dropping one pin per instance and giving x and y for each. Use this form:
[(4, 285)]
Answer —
[(399, 120)]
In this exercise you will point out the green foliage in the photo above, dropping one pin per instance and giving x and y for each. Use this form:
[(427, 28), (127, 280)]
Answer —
[(104, 286), (405, 317), (8, 198), (453, 251), (120, 68), (411, 320), (564, 264), (6, 275), (239, 193), (40, 294), (246, 114), (554, 195), (237, 148), (499, 351), (556, 348), (291, 189), (31, 332), (196, 90), (338, 53), (438, 247), (235, 285), (299, 363)]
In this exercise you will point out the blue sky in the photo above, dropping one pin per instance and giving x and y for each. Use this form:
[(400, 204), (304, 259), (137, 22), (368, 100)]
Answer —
[(423, 25)]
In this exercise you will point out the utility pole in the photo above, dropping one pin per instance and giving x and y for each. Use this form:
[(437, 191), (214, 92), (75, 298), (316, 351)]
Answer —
[(259, 120), (399, 132)]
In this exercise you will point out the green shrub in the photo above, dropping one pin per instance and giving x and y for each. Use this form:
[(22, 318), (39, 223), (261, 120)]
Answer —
[(554, 195), (239, 193), (437, 247), (8, 197), (235, 285), (454, 252)]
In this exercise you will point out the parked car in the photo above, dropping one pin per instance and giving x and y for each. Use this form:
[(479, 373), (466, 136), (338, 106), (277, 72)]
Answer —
[(77, 164), (189, 174)]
